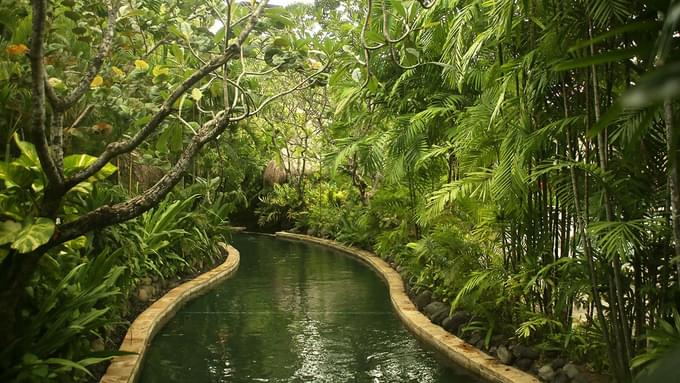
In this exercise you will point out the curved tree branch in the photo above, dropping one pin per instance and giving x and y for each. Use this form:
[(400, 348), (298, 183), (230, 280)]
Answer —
[(109, 215)]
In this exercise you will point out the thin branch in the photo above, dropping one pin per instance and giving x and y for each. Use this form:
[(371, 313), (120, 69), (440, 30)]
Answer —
[(298, 86), (81, 117), (156, 46)]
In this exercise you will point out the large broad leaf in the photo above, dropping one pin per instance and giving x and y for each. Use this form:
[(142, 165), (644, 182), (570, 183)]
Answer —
[(29, 156), (664, 370), (34, 235), (77, 162), (16, 174), (659, 85), (9, 231)]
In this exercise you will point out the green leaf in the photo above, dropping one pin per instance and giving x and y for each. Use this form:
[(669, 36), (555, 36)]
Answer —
[(399, 8), (373, 37), (186, 30), (627, 28), (77, 162), (77, 243), (160, 70), (68, 363), (9, 231), (654, 87), (373, 84), (281, 42), (219, 36), (602, 58), (278, 17), (413, 52), (16, 174), (29, 156), (34, 235)]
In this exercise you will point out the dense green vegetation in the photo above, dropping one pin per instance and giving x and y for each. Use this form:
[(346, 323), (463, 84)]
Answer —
[(518, 158)]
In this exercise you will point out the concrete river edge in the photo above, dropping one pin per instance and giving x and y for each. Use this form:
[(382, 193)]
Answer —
[(126, 369), (448, 345)]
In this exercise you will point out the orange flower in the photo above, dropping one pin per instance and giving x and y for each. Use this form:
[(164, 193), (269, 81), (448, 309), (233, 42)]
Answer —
[(16, 49)]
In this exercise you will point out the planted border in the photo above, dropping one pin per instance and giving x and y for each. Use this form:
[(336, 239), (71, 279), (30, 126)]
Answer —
[(126, 369), (450, 346)]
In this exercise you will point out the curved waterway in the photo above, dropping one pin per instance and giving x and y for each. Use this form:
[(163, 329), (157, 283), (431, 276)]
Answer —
[(293, 312)]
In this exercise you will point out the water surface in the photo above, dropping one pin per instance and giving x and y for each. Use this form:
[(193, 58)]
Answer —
[(294, 312)]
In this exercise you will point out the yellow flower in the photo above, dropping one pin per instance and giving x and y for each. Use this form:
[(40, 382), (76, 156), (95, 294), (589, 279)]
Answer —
[(159, 71), (196, 94), (141, 65), (16, 49), (97, 81), (117, 71)]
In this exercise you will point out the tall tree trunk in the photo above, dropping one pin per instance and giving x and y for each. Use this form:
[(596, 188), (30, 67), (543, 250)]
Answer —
[(581, 222), (617, 303)]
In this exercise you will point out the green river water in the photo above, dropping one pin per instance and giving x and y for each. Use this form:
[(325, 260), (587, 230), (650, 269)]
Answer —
[(293, 312)]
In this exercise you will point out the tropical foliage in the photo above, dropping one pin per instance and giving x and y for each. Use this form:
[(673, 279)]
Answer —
[(520, 159), (527, 152)]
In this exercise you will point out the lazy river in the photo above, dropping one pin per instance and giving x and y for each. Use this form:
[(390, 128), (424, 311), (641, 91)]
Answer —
[(293, 312)]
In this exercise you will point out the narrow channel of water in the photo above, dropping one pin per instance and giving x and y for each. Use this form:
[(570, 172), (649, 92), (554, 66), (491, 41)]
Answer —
[(293, 312)]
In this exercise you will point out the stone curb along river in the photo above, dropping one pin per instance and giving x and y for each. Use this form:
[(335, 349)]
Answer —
[(450, 346), (126, 369)]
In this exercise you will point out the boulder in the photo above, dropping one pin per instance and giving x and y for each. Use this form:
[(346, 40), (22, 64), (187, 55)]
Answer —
[(423, 299), (475, 338), (408, 290), (97, 344), (498, 340), (558, 363), (145, 293), (504, 355), (571, 370), (524, 364), (546, 373), (439, 316), (453, 323), (524, 352), (561, 377), (434, 308)]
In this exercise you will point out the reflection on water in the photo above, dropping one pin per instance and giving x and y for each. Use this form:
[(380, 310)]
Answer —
[(292, 313)]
